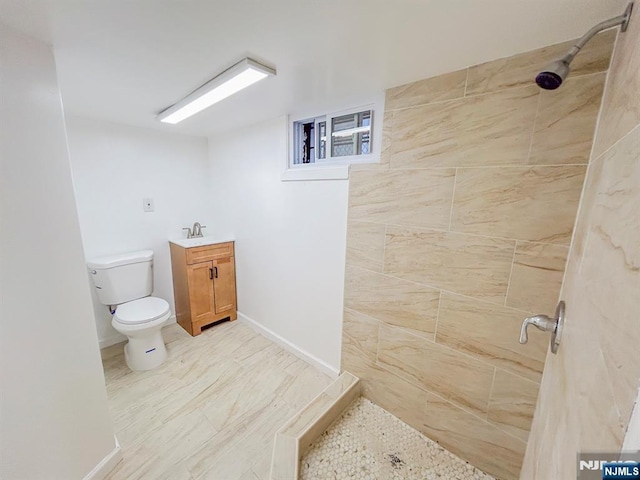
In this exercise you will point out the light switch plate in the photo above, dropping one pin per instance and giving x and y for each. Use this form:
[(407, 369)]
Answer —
[(147, 205)]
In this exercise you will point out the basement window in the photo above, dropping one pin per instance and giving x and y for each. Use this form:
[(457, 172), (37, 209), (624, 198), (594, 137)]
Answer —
[(323, 146)]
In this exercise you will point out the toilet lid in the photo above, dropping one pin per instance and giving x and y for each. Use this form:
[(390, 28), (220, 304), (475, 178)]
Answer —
[(142, 310)]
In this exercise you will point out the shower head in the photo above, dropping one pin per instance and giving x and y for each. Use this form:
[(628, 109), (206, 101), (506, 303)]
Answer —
[(553, 76), (555, 73)]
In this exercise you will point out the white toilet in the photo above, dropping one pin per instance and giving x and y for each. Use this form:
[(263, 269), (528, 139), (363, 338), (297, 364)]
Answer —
[(124, 282)]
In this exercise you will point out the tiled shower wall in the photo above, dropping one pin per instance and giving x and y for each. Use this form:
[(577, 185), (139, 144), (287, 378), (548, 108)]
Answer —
[(461, 232), (591, 385)]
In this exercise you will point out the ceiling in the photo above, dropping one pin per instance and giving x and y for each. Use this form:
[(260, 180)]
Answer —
[(124, 61)]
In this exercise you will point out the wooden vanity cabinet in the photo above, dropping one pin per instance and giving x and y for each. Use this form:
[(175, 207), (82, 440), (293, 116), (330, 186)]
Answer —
[(204, 284)]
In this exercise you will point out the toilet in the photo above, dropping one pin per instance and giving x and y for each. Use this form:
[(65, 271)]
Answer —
[(124, 282)]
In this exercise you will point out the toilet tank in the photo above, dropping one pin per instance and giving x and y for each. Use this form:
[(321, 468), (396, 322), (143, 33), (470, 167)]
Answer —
[(122, 278)]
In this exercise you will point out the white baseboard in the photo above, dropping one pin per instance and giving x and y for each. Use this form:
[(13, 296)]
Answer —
[(107, 464), (118, 338), (287, 345)]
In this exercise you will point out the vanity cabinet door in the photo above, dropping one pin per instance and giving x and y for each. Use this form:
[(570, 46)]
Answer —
[(224, 284), (201, 297)]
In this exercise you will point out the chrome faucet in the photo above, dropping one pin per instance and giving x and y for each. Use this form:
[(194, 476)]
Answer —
[(195, 231)]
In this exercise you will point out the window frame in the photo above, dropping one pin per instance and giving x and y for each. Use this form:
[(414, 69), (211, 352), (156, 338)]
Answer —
[(333, 168)]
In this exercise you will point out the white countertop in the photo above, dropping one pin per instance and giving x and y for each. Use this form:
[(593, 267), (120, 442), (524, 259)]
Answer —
[(200, 241)]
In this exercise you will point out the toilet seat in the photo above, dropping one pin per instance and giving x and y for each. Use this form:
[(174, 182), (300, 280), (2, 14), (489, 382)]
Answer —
[(143, 310)]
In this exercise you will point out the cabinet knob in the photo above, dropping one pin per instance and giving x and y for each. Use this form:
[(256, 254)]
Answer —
[(211, 274), (216, 271)]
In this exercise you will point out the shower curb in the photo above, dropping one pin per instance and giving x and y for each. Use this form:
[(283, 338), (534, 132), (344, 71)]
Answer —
[(298, 434)]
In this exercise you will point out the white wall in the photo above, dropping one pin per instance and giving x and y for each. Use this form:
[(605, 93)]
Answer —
[(114, 168), (290, 239), (54, 419)]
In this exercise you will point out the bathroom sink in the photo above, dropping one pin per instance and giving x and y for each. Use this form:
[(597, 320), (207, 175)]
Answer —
[(201, 241)]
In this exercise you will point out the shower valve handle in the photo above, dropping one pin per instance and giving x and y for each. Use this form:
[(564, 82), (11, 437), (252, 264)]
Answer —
[(546, 324)]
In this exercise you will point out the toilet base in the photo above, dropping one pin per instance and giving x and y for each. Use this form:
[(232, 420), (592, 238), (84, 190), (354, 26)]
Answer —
[(145, 353)]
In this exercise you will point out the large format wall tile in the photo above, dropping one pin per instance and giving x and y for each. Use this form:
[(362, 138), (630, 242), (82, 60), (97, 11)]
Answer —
[(522, 69), (361, 332), (471, 265), (566, 121), (421, 198), (536, 277), (621, 106), (394, 301), (491, 332), (512, 403), (485, 130), (474, 439), (537, 203), (432, 366), (396, 395), (365, 245), (443, 87)]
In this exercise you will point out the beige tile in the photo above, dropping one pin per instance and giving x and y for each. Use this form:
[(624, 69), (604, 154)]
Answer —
[(526, 203), (512, 403), (393, 393), (491, 332), (590, 386), (442, 87), (485, 130), (392, 300), (365, 245), (433, 366), (566, 122), (536, 277), (621, 105), (419, 198), (240, 380), (470, 265), (473, 439), (522, 69), (361, 332)]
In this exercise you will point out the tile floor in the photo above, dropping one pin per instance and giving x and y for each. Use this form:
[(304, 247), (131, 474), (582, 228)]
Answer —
[(211, 411), (368, 443)]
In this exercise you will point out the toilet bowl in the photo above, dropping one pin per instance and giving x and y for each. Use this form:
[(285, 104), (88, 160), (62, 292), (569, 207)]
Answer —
[(124, 283), (141, 321)]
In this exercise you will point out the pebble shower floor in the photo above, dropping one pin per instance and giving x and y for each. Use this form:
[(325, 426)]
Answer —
[(368, 443)]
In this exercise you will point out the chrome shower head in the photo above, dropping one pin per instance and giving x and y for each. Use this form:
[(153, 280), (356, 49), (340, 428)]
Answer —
[(553, 76)]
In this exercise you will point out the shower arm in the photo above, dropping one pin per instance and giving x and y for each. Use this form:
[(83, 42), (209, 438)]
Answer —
[(622, 20)]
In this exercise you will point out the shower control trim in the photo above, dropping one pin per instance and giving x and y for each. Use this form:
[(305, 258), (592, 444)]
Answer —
[(546, 324)]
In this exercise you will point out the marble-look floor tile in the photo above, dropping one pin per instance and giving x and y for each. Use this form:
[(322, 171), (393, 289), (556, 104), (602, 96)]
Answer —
[(392, 300), (467, 264), (420, 198), (538, 204), (227, 387), (443, 87)]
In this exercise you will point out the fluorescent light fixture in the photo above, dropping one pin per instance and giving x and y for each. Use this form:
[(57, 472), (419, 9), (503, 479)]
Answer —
[(244, 73)]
